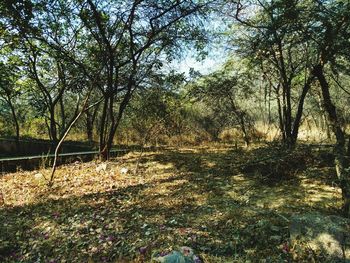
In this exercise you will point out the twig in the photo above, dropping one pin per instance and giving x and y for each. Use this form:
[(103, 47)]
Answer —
[(339, 85), (281, 216)]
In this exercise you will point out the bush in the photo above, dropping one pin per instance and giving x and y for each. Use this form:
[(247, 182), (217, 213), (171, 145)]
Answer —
[(231, 135)]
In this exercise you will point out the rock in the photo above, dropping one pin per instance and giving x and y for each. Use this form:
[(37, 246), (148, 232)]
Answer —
[(101, 168), (184, 255), (39, 177), (328, 234), (124, 170)]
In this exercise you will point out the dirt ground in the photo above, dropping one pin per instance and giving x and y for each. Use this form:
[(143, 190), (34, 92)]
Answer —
[(228, 204)]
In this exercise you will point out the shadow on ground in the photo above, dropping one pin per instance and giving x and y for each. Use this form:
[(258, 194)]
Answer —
[(226, 204)]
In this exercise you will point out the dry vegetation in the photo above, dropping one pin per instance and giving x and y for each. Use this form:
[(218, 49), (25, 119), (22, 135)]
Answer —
[(228, 204)]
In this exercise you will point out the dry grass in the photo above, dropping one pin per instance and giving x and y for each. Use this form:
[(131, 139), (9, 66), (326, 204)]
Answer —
[(200, 197)]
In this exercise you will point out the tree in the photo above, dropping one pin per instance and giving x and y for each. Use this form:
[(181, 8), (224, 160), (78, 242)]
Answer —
[(114, 44), (302, 39), (90, 117), (52, 83), (129, 45), (331, 37), (220, 92), (37, 38), (10, 63), (275, 42), (9, 92)]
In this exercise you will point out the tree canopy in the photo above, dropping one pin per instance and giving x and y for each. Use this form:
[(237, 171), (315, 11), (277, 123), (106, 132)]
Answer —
[(285, 74)]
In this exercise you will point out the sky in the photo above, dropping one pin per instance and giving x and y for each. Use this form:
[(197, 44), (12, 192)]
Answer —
[(217, 55), (217, 52), (204, 67)]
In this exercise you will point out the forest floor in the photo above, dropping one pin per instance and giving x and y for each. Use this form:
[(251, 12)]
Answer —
[(228, 204)]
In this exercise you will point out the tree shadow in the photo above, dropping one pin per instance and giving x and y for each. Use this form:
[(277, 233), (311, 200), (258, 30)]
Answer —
[(208, 202)]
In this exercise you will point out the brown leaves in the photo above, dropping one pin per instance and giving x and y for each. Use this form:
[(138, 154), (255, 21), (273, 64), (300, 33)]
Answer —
[(187, 197)]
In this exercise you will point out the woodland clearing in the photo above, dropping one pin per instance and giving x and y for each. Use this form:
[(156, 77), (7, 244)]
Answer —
[(228, 204)]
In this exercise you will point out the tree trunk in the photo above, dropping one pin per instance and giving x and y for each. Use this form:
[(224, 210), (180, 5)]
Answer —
[(63, 116), (297, 120), (339, 149), (288, 116), (109, 140), (240, 115), (280, 117), (14, 116), (324, 120), (244, 130), (53, 128), (90, 119), (106, 144), (65, 134), (48, 128), (102, 139)]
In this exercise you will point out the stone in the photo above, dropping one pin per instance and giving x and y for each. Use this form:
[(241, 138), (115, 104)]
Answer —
[(183, 255), (39, 179), (124, 170), (101, 168), (38, 176), (328, 234)]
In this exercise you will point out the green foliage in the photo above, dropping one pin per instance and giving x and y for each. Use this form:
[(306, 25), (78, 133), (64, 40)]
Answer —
[(224, 97), (52, 52)]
